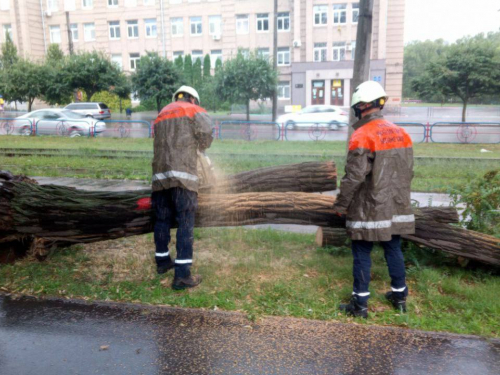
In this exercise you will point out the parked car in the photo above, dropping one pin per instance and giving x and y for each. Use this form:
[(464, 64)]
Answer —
[(57, 121), (321, 115), (90, 109)]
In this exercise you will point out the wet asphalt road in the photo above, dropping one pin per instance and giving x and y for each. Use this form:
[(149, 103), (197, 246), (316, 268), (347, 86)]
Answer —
[(58, 337)]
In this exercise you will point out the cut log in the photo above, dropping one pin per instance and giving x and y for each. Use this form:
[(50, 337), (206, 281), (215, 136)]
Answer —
[(331, 237), (308, 177)]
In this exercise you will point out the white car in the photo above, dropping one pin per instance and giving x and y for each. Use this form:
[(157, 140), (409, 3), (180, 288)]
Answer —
[(316, 115), (57, 121)]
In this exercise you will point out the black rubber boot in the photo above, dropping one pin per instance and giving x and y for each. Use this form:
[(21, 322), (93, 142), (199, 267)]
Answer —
[(354, 308), (164, 268), (398, 303), (181, 283)]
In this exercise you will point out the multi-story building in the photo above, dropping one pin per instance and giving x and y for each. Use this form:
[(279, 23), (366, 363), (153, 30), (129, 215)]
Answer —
[(315, 49)]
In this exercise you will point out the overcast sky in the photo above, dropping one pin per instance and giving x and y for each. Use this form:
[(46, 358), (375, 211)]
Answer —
[(450, 19)]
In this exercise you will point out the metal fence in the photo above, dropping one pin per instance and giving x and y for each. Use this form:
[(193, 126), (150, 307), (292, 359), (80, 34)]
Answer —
[(249, 130), (439, 132), (465, 132)]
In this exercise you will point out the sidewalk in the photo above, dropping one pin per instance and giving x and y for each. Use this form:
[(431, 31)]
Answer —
[(73, 337)]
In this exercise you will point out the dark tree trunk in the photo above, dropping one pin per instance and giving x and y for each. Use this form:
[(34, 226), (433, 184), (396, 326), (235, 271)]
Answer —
[(248, 110), (464, 111)]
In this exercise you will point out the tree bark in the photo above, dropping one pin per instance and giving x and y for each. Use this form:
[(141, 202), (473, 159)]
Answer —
[(308, 177), (331, 237), (464, 111), (248, 110)]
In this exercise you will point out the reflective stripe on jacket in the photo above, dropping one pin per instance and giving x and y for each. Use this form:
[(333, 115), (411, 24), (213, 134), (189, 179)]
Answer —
[(181, 129), (375, 191)]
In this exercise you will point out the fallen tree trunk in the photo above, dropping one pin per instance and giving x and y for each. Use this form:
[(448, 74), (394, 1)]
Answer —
[(308, 177), (331, 237)]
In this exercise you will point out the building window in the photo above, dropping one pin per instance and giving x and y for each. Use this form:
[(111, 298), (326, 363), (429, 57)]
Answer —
[(195, 23), (339, 13), (197, 55), (133, 29), (284, 90), (89, 31), (353, 50), (214, 56), (263, 53), (114, 30), (284, 21), (319, 52), (52, 5), (134, 60), (7, 29), (320, 14), (151, 30), (262, 22), (178, 53), (355, 12), (214, 25), (117, 59), (177, 26), (338, 51), (87, 4), (74, 32), (149, 2), (112, 3), (242, 24), (55, 34), (283, 56)]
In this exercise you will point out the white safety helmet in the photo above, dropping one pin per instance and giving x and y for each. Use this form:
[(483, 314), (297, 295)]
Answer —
[(186, 90), (368, 92)]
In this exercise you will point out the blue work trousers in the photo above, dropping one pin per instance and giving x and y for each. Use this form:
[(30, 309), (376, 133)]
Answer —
[(362, 262), (175, 205)]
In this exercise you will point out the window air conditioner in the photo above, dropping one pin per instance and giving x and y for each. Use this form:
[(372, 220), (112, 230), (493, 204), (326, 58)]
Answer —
[(48, 13), (297, 43), (216, 37)]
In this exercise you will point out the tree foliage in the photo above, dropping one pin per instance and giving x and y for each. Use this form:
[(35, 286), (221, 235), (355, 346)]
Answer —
[(188, 71), (9, 55), (155, 78), (91, 72), (197, 76), (466, 69), (26, 82), (243, 79), (54, 54), (207, 66)]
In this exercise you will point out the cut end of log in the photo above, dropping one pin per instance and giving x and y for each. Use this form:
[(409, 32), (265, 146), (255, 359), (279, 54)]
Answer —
[(336, 237)]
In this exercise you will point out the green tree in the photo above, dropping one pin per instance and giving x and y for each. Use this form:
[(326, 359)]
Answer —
[(243, 79), (466, 69), (26, 82), (416, 56), (206, 66), (188, 70), (54, 54), (197, 77), (9, 55), (179, 64), (218, 65), (155, 78), (91, 72)]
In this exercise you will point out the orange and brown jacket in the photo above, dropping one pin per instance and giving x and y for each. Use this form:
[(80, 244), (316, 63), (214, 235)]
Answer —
[(180, 130), (375, 191)]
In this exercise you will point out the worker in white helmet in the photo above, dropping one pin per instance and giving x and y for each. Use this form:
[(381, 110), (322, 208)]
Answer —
[(375, 196), (181, 130)]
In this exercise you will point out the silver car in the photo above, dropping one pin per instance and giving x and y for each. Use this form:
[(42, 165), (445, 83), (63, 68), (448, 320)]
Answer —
[(328, 116), (91, 109), (56, 121)]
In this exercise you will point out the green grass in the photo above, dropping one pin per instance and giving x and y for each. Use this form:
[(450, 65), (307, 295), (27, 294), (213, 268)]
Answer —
[(434, 172), (264, 272), (446, 105)]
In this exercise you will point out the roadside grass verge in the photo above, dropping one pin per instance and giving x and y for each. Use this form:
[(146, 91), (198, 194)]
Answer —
[(433, 174), (263, 272)]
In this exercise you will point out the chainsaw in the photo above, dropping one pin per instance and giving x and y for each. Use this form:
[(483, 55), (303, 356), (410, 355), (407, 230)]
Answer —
[(206, 172)]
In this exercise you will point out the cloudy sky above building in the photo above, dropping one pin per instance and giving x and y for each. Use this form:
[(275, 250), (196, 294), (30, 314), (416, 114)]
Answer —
[(450, 19)]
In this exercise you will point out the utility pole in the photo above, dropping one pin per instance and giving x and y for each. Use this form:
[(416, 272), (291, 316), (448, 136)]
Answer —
[(275, 58), (70, 36), (363, 53)]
